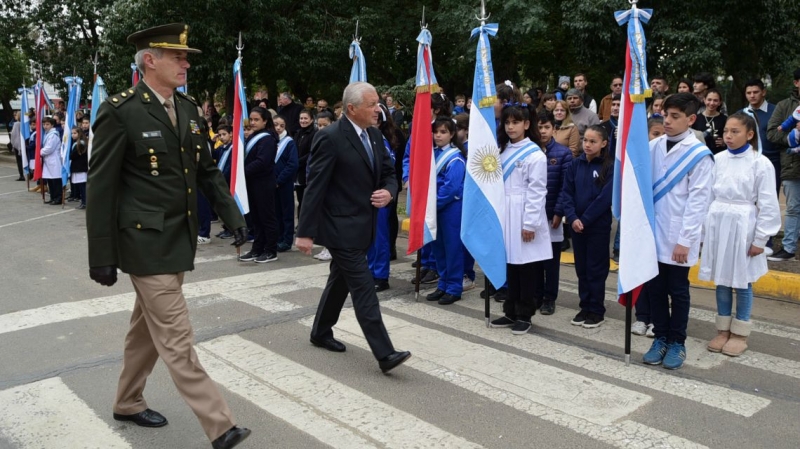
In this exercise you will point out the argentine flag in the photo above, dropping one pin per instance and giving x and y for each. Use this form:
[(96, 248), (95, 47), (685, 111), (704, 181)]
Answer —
[(74, 84), (99, 95), (482, 222), (240, 114), (24, 128)]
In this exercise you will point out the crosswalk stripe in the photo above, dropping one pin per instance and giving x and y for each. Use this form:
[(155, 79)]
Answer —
[(715, 396), (438, 354), (332, 412), (66, 311), (49, 415)]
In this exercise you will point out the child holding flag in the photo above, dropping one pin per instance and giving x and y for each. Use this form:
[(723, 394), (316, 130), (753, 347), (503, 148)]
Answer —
[(79, 166), (51, 155), (447, 248), (587, 198), (742, 217), (527, 235), (683, 173)]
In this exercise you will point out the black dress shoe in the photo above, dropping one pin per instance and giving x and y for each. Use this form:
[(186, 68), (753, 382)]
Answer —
[(548, 308), (393, 360), (146, 418), (20, 179), (435, 296), (330, 343), (231, 438), (381, 285), (449, 299)]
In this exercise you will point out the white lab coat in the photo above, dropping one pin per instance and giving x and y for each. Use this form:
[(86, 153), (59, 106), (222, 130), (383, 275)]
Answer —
[(744, 211), (526, 190), (680, 214), (51, 154)]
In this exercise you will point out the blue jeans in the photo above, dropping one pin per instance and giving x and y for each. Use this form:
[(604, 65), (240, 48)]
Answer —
[(791, 188), (670, 302), (203, 216), (744, 301)]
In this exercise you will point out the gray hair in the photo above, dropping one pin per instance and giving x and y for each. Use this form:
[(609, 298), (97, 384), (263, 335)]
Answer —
[(354, 93), (139, 58)]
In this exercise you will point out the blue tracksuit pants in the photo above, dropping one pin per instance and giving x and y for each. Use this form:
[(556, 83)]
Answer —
[(284, 212), (378, 253), (448, 249), (591, 266)]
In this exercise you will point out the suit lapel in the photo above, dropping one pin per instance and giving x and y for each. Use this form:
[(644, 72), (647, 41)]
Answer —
[(355, 141)]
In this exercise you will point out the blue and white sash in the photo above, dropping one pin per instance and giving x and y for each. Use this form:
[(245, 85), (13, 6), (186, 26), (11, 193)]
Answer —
[(252, 143), (282, 146), (678, 170), (444, 159), (224, 158), (511, 163)]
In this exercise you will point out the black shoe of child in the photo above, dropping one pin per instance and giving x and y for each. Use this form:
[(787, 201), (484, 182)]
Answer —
[(521, 327), (381, 285), (565, 245), (430, 277), (435, 296), (579, 318), (422, 273), (449, 299), (492, 292), (503, 321), (501, 295), (548, 308)]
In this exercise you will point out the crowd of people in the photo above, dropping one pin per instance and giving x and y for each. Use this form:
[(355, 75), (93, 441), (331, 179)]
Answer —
[(557, 149)]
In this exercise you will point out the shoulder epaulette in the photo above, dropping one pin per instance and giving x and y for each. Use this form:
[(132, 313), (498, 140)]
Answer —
[(188, 97), (117, 99)]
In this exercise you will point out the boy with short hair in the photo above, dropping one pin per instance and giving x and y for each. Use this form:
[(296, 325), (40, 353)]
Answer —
[(461, 102), (683, 174)]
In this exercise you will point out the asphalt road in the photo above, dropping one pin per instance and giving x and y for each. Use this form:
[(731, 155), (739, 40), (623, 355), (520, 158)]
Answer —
[(560, 386)]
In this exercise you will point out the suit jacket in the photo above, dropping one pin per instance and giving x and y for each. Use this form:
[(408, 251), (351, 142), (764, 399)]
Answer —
[(337, 211), (143, 180)]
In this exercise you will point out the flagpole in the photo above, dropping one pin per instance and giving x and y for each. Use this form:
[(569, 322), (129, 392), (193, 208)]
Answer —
[(419, 270), (487, 305), (628, 313)]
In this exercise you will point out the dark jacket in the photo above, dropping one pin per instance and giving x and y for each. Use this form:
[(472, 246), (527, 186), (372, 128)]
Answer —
[(143, 218), (559, 159), (303, 138), (79, 163), (291, 113), (584, 199), (260, 161), (790, 163), (337, 211), (286, 166), (611, 126)]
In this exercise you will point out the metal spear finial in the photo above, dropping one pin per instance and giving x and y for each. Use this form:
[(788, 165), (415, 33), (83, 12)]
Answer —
[(94, 63), (240, 46), (422, 23), (483, 18), (355, 36)]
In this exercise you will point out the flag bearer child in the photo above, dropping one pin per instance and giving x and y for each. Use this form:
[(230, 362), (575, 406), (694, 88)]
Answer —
[(683, 173), (743, 215), (527, 233), (587, 197), (447, 248)]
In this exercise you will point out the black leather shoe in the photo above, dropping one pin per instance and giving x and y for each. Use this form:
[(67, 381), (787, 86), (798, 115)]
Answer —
[(393, 360), (449, 299), (548, 308), (146, 418), (381, 285), (231, 438), (330, 343), (435, 296)]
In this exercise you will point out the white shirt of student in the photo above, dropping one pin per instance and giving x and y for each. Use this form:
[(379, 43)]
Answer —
[(51, 154), (680, 214)]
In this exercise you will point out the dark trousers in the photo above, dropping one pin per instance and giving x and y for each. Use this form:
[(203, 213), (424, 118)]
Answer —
[(643, 306), (18, 156), (522, 301), (261, 196), (55, 188), (300, 190), (79, 189), (350, 274), (672, 283), (548, 274), (284, 213), (591, 266), (394, 225), (469, 264), (203, 216)]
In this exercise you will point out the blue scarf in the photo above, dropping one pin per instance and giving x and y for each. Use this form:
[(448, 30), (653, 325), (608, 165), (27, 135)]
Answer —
[(739, 150)]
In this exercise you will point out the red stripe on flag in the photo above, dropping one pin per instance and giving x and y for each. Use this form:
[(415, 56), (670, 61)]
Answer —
[(237, 126), (40, 105)]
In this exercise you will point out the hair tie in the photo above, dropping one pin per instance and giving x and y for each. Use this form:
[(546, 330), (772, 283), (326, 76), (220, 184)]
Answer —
[(509, 84)]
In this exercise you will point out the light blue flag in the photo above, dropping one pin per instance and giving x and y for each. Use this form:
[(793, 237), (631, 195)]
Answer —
[(24, 126), (359, 70), (483, 216), (74, 84), (99, 95)]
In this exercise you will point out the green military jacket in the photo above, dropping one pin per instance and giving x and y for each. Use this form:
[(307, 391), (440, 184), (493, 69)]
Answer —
[(141, 212)]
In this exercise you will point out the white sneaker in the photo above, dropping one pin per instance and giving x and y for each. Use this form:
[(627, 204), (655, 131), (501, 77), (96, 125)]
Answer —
[(639, 328), (203, 240), (324, 255), (768, 251), (650, 333), (467, 284)]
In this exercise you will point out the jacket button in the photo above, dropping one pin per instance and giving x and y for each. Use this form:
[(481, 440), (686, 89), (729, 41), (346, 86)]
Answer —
[(189, 213), (182, 150), (190, 190), (186, 170), (198, 147), (138, 226), (151, 151)]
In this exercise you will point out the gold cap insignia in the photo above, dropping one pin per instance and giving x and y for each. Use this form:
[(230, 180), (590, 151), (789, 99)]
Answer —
[(184, 37)]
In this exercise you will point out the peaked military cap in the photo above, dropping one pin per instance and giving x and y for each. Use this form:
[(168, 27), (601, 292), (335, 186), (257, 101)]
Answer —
[(174, 36)]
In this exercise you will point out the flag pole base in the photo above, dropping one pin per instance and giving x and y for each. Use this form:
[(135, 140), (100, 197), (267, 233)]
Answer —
[(488, 323), (627, 360)]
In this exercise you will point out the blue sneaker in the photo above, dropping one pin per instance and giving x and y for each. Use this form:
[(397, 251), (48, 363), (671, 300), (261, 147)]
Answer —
[(657, 351), (676, 354)]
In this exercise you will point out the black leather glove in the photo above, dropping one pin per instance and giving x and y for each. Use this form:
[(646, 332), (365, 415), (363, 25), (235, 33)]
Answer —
[(104, 275), (239, 237)]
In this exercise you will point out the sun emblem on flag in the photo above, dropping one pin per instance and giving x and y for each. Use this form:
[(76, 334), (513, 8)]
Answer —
[(485, 164)]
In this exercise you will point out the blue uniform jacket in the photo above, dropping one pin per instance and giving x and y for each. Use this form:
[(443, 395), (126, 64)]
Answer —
[(584, 199), (559, 159), (286, 167), (260, 161), (450, 181)]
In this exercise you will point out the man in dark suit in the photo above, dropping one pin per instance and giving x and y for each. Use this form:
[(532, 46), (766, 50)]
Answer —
[(149, 158), (349, 179)]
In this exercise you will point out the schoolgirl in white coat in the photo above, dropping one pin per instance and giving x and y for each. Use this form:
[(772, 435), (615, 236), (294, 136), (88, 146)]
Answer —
[(527, 234), (51, 156)]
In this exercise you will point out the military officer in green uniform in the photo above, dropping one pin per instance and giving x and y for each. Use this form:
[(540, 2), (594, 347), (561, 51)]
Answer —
[(148, 159)]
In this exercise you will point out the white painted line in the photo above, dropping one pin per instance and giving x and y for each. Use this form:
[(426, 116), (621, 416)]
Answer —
[(48, 415), (330, 411), (770, 363), (579, 396), (66, 311), (199, 260), (715, 396), (10, 176), (418, 340), (11, 193), (37, 218)]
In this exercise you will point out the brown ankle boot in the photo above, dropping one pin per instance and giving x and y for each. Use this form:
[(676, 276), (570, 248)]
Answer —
[(737, 344), (723, 334)]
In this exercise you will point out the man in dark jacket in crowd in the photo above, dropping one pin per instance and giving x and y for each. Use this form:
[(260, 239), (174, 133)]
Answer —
[(290, 111)]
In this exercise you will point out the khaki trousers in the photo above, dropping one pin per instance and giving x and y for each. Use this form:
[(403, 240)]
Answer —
[(160, 327)]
